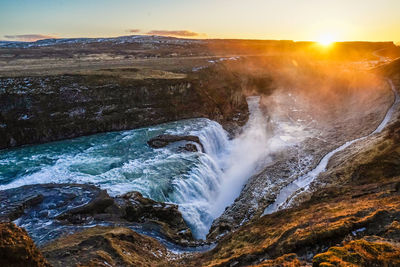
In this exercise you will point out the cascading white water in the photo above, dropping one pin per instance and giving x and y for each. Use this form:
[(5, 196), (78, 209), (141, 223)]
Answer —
[(246, 152), (227, 165), (196, 194), (202, 184)]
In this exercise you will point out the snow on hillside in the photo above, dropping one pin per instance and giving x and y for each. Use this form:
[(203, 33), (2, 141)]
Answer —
[(149, 39)]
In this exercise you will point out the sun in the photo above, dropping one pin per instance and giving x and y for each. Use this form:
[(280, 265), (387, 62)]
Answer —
[(326, 40)]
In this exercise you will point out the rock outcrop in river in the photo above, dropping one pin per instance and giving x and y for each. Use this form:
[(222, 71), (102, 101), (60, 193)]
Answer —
[(166, 139)]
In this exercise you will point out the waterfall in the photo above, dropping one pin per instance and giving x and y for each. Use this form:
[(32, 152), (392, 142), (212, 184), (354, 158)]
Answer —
[(195, 195), (201, 184), (224, 168), (246, 152)]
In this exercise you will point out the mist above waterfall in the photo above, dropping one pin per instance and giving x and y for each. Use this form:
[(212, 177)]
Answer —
[(300, 98)]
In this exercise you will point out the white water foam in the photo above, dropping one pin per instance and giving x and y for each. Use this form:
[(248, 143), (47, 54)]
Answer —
[(246, 152)]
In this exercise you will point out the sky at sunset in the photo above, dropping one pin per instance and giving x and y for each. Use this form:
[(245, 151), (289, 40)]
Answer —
[(341, 20)]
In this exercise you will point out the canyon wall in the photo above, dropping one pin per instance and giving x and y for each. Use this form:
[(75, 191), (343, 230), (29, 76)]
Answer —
[(40, 109)]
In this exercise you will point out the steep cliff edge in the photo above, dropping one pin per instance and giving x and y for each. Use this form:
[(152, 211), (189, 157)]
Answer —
[(38, 109)]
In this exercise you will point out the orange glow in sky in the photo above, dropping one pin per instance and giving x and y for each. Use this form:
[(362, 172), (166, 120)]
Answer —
[(308, 20)]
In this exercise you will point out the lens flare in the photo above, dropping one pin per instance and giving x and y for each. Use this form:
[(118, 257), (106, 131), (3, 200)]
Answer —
[(326, 40)]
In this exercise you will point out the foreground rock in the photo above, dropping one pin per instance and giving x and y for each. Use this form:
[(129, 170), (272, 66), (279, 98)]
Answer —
[(106, 246), (286, 260), (166, 139), (166, 217), (18, 249), (51, 210)]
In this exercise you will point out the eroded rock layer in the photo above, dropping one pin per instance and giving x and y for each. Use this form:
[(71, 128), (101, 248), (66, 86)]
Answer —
[(40, 109)]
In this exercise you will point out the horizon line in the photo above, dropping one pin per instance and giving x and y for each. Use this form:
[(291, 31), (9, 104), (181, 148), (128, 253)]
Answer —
[(187, 38)]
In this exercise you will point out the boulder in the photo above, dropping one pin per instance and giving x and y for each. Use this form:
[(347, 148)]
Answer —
[(188, 148)]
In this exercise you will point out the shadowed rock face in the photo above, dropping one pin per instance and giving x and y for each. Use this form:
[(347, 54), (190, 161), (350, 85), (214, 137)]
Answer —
[(48, 108), (17, 248)]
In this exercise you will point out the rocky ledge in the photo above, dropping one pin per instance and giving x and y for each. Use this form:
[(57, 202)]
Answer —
[(52, 210), (351, 218)]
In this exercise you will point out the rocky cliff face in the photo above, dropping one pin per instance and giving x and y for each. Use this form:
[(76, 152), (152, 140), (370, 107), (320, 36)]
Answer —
[(40, 109)]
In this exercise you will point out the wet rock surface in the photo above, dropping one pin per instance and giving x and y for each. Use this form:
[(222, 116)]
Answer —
[(37, 207), (52, 210), (166, 139), (18, 249), (164, 215)]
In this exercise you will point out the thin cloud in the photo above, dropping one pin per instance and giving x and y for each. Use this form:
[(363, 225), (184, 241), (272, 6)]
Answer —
[(182, 33), (134, 30), (28, 37)]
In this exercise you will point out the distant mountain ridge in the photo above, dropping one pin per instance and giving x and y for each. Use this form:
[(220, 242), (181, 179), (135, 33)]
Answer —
[(118, 40), (163, 39)]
